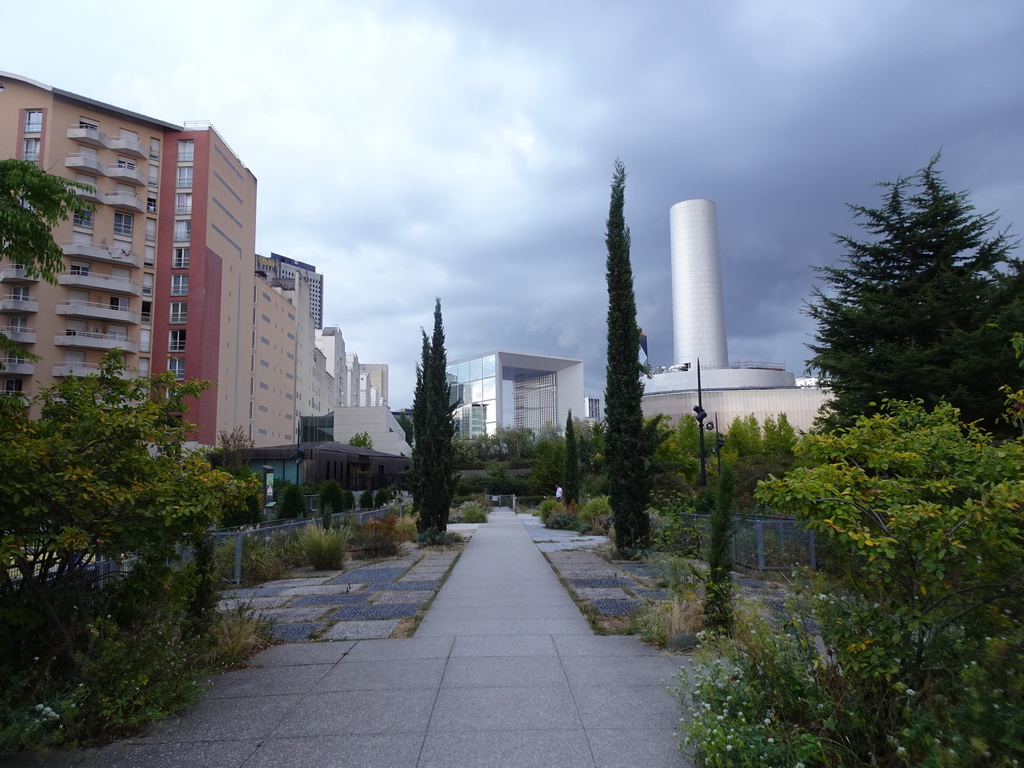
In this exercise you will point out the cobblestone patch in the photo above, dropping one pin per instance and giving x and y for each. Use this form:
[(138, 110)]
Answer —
[(295, 632), (647, 571), (360, 630), (654, 594), (375, 611), (411, 586), (349, 598), (611, 582), (617, 607)]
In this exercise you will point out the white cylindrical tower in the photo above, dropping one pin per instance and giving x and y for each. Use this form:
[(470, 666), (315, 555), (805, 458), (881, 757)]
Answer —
[(698, 316)]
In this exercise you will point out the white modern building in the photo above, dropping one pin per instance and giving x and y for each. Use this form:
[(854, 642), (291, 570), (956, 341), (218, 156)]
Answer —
[(543, 391)]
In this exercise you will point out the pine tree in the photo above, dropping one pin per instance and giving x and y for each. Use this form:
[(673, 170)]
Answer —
[(434, 426), (625, 446), (571, 492), (924, 309)]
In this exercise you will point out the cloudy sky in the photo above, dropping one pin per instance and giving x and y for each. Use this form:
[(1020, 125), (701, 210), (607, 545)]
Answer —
[(463, 149)]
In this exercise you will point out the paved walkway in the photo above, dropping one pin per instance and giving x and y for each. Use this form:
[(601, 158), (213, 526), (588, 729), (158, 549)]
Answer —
[(503, 671)]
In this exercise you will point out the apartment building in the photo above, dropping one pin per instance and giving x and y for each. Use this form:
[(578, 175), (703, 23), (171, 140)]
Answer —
[(162, 269)]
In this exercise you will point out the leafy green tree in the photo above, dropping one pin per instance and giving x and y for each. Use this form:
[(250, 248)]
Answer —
[(922, 309), (624, 443), (571, 476), (548, 465), (366, 499), (433, 479), (361, 440), (779, 437), (744, 436), (923, 511), (32, 203), (102, 473), (515, 442)]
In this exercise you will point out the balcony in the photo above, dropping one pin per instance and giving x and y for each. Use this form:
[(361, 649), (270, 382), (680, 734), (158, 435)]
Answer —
[(92, 310), (18, 304), (99, 282), (125, 200), (73, 368), (87, 340), (17, 273), (91, 193), (19, 334), (127, 145), (87, 135), (127, 173), (17, 366), (109, 255)]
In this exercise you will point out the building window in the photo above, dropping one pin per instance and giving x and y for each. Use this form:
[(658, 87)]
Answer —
[(186, 150), (183, 203), (20, 293), (123, 223), (176, 365), (30, 150), (124, 162), (177, 341), (34, 121), (154, 149), (88, 124), (17, 323), (150, 205), (79, 269), (183, 231), (83, 219), (184, 177), (12, 385), (179, 285), (118, 303), (179, 311), (181, 257)]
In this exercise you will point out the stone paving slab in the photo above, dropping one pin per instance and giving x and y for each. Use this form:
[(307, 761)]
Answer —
[(294, 615), (360, 630), (286, 583), (617, 607), (411, 586), (402, 596), (240, 594), (321, 589), (369, 575), (602, 593), (253, 602), (608, 582)]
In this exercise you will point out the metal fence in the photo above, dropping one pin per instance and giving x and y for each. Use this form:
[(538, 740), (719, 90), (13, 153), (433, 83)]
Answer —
[(761, 543)]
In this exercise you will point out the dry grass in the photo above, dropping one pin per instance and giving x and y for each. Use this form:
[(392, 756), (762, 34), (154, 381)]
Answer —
[(236, 636), (660, 621)]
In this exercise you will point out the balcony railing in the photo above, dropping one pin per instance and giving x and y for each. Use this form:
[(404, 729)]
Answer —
[(73, 368), (122, 172), (87, 134), (125, 200), (17, 366)]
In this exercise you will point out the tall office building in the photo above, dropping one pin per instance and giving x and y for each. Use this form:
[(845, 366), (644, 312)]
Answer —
[(162, 269), (278, 266)]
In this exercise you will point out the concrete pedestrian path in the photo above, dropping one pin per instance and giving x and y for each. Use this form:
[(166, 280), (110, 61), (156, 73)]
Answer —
[(503, 671)]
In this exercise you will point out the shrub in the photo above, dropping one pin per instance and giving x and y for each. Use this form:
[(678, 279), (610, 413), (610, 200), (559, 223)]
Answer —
[(234, 637), (435, 538), (262, 559), (366, 499), (381, 498), (380, 537), (406, 527), (332, 495), (546, 507), (595, 517), (348, 501), (473, 514), (563, 521), (292, 504), (324, 549)]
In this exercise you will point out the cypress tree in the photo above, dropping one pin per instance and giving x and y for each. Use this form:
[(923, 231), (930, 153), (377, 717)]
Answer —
[(434, 425), (718, 584), (571, 491), (624, 442)]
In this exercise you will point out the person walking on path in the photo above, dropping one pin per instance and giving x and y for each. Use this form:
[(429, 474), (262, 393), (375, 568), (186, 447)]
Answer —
[(558, 494)]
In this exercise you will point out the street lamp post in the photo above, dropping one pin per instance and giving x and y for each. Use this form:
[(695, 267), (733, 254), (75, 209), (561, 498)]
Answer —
[(700, 414)]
